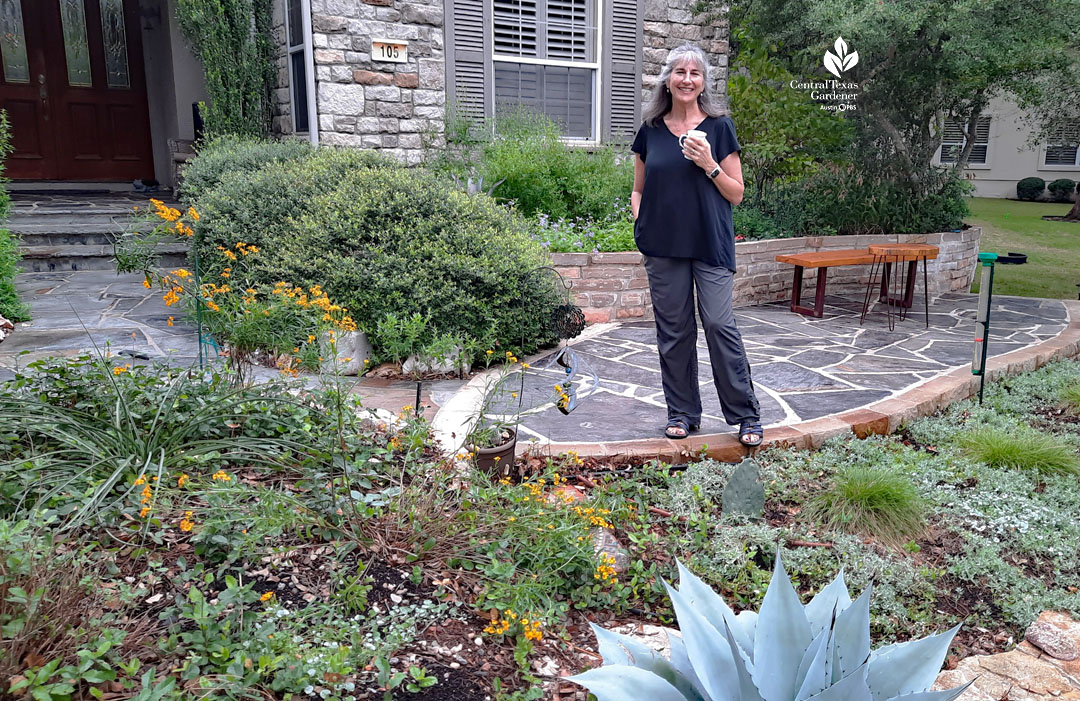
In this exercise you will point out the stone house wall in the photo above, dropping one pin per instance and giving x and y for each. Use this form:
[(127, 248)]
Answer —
[(401, 107), (613, 286), (373, 104)]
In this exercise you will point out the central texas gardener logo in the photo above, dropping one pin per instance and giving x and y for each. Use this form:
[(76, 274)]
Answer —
[(840, 61)]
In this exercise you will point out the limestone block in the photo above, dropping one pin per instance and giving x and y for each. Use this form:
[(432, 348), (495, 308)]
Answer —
[(353, 349), (385, 93), (429, 97), (341, 98), (422, 14), (329, 56)]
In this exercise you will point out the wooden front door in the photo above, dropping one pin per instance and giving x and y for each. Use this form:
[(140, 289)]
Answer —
[(73, 87)]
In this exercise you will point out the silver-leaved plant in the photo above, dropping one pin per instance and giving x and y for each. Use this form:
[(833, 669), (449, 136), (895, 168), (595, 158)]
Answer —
[(785, 652)]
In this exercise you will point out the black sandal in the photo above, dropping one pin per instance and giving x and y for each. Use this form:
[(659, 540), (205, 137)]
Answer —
[(680, 424), (751, 430)]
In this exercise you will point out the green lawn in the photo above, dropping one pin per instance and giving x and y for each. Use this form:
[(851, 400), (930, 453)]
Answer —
[(1052, 247)]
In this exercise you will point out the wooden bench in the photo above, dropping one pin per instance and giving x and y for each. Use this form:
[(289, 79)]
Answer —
[(822, 260)]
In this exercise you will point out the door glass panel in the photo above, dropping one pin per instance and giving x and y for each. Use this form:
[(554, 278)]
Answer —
[(13, 42), (112, 31), (76, 48)]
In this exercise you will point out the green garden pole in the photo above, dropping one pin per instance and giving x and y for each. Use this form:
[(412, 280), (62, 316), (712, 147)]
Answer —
[(982, 319)]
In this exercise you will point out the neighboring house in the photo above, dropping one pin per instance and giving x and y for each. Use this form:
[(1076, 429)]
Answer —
[(1002, 155), (96, 89)]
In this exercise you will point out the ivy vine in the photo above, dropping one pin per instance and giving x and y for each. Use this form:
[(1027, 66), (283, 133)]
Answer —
[(232, 39)]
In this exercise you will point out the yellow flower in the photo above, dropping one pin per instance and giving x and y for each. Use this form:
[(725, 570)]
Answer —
[(310, 338), (182, 480), (170, 321), (267, 596), (220, 476), (141, 480), (144, 511), (146, 282), (525, 366), (490, 352), (193, 214), (186, 523), (182, 273), (120, 370)]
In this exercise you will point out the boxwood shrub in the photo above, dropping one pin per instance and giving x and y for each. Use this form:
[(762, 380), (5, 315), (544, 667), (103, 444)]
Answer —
[(380, 239), (1060, 189), (231, 154), (1030, 188)]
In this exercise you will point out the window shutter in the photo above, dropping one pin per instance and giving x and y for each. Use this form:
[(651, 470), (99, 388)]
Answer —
[(515, 27), (468, 67), (622, 68)]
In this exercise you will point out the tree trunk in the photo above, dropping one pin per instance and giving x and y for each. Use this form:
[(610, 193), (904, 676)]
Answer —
[(1074, 213)]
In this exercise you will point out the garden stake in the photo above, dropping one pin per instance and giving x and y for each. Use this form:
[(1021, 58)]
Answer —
[(419, 384), (982, 319)]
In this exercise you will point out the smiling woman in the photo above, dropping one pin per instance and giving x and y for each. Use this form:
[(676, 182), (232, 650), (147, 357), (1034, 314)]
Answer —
[(687, 175)]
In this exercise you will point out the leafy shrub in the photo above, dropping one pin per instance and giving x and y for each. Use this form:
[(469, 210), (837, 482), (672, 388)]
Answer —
[(1061, 189), (381, 239), (846, 200), (10, 306), (752, 224), (1030, 188), (1022, 450), (871, 501), (543, 175), (232, 154)]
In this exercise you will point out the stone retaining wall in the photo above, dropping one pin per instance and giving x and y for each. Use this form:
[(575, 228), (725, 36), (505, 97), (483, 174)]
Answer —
[(613, 286)]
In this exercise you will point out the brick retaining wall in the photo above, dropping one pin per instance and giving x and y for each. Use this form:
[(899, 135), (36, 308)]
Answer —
[(613, 286)]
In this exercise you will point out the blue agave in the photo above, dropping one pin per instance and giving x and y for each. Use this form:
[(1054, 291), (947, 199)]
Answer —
[(785, 652)]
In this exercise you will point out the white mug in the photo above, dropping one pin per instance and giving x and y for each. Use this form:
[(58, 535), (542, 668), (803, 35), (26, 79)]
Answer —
[(696, 134)]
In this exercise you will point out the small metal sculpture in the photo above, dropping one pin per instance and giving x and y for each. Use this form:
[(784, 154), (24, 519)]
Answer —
[(568, 321)]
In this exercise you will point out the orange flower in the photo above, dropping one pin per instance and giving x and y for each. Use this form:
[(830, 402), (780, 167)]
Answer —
[(182, 480)]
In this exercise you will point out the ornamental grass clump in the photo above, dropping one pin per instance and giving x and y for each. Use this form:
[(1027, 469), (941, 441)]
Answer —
[(1070, 399), (786, 651), (1022, 449), (870, 501)]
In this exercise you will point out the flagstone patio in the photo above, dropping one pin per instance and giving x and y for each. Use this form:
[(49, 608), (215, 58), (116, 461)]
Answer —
[(807, 371)]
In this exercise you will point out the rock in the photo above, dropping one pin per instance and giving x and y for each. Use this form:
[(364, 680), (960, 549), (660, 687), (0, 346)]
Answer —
[(1052, 640), (352, 350), (652, 637), (605, 543), (444, 365), (565, 494), (6, 327)]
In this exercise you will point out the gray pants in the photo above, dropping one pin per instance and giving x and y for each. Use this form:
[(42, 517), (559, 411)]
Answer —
[(672, 282)]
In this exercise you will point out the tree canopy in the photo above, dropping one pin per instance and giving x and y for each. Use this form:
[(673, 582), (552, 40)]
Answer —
[(924, 62)]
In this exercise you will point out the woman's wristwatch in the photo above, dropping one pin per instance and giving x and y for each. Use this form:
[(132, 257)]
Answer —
[(714, 172)]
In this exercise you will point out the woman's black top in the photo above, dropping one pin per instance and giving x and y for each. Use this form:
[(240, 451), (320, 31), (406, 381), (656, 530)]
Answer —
[(682, 214)]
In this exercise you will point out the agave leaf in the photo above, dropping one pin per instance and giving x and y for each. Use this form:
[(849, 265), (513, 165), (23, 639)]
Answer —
[(619, 649), (622, 682), (831, 600), (783, 634), (908, 667), (813, 660), (681, 661), (945, 695), (852, 631), (813, 674), (853, 687), (711, 607), (747, 690), (748, 621), (708, 650)]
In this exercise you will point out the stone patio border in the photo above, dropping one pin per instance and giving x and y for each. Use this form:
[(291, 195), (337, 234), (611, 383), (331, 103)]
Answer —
[(880, 418)]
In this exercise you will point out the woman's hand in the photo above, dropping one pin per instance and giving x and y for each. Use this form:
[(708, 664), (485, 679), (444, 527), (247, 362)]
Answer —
[(698, 151)]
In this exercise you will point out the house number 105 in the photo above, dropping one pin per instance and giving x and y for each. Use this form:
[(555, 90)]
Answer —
[(392, 50)]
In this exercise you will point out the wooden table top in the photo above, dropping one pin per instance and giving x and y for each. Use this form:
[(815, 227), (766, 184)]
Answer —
[(907, 251), (826, 259)]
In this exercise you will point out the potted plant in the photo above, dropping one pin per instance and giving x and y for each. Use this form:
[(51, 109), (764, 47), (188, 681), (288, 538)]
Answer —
[(493, 437)]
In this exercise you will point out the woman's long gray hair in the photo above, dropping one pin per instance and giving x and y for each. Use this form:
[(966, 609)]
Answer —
[(659, 103)]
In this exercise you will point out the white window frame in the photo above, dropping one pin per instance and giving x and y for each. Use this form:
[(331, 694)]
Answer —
[(971, 165), (594, 66), (1043, 165), (305, 47)]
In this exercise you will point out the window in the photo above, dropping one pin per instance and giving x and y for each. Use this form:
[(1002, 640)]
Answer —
[(952, 144), (544, 57), (1063, 146), (298, 63), (576, 61)]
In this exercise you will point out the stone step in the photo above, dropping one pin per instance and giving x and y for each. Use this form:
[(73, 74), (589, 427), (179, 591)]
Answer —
[(63, 232), (98, 215), (45, 259)]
